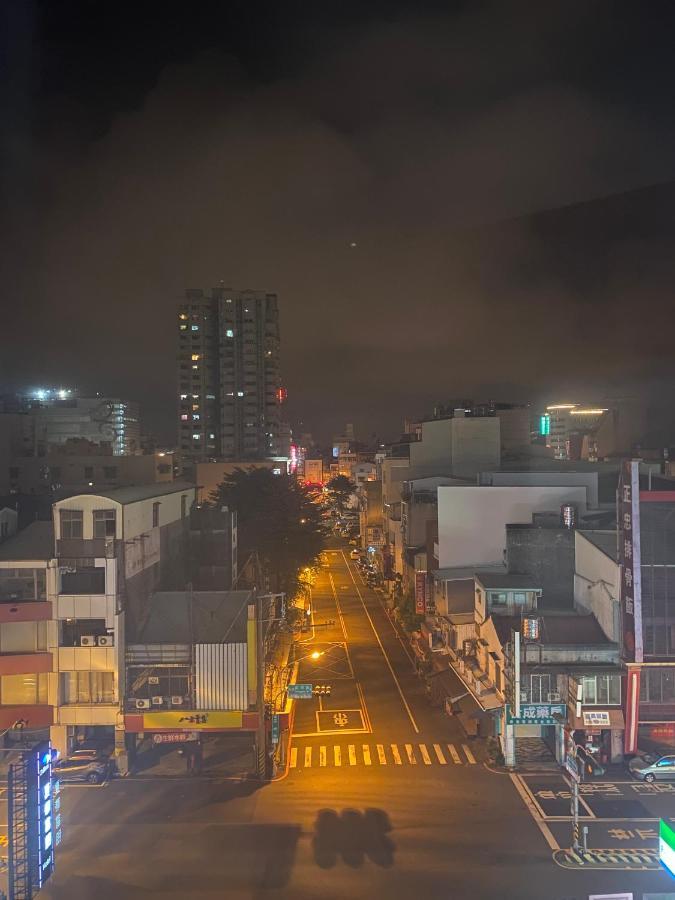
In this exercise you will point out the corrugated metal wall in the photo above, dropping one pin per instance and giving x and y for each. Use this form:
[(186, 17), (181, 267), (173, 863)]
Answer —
[(221, 676)]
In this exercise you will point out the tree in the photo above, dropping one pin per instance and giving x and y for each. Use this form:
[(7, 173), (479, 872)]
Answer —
[(340, 488), (275, 518)]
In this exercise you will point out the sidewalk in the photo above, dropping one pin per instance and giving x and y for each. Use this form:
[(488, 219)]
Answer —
[(224, 756)]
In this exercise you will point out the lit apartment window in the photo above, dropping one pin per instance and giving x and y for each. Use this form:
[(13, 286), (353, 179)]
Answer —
[(195, 356), (240, 393), (87, 687), (183, 327), (195, 417), (71, 523), (195, 327), (229, 333), (195, 437), (104, 523), (184, 417), (182, 315), (183, 396)]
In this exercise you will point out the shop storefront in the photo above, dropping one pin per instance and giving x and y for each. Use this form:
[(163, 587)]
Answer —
[(601, 733)]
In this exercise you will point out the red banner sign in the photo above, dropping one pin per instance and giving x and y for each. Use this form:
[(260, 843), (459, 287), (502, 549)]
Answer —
[(420, 593)]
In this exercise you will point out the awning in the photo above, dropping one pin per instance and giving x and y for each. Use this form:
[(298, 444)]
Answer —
[(615, 717)]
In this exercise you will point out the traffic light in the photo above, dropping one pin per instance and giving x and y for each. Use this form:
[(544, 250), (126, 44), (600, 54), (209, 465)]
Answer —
[(323, 689)]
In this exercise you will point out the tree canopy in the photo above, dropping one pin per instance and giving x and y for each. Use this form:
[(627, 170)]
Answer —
[(340, 488), (276, 518)]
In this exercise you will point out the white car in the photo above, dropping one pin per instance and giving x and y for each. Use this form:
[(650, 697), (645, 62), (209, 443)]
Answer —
[(354, 554)]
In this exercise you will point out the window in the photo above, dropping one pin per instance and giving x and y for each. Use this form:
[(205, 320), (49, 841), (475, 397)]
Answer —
[(71, 631), (184, 417), (87, 687), (601, 690), (110, 472), (498, 598), (155, 515), (23, 637), (85, 580), (657, 685), (71, 523), (195, 327), (520, 598), (17, 585), (21, 690), (229, 333), (104, 523), (541, 685)]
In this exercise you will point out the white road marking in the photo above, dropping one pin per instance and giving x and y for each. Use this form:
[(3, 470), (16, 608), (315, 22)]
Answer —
[(439, 754), (308, 757), (366, 755), (454, 754), (425, 754), (396, 754), (543, 827), (294, 757), (337, 755), (469, 755), (352, 754), (322, 756), (381, 755), (384, 652), (411, 754)]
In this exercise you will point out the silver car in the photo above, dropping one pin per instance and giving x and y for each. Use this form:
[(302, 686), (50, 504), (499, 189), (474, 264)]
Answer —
[(652, 767)]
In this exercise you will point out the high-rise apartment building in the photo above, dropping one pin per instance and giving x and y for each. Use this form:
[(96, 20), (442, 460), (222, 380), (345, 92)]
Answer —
[(229, 389)]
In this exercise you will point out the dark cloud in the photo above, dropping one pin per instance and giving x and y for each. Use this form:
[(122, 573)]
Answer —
[(433, 141)]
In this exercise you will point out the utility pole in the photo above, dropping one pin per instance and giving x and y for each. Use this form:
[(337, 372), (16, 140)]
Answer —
[(261, 740)]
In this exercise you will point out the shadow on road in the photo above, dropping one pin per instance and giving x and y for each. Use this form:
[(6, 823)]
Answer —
[(353, 836)]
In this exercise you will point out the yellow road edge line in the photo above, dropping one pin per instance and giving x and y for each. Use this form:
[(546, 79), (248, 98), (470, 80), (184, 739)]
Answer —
[(543, 827)]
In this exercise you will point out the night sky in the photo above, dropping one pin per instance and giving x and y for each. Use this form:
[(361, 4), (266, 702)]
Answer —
[(504, 170)]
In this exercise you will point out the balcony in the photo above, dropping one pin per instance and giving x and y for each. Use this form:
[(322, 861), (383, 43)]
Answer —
[(79, 548)]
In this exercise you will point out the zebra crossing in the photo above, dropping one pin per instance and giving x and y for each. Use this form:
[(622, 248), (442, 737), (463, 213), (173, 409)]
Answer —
[(344, 755)]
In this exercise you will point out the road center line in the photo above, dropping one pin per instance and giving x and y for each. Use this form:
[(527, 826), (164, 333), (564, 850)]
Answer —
[(337, 606), (384, 652)]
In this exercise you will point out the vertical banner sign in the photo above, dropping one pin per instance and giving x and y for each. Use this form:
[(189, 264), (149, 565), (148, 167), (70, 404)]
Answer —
[(632, 713), (420, 593), (629, 561)]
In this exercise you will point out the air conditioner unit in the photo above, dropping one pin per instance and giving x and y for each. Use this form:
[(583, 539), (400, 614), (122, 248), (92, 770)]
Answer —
[(523, 696), (157, 701), (142, 704), (104, 640), (553, 697), (153, 679), (87, 640), (177, 701)]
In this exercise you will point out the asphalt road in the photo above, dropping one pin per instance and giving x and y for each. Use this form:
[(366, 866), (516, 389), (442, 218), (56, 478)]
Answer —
[(436, 823)]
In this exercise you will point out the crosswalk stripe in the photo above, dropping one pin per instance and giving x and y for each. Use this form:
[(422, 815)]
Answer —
[(308, 757), (352, 755), (322, 756), (411, 755), (454, 754), (425, 754), (396, 754), (294, 757), (381, 755), (366, 754), (337, 755), (469, 754), (439, 753)]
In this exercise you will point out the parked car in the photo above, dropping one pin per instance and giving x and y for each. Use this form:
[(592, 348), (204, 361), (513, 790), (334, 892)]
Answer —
[(90, 771), (354, 554), (652, 767)]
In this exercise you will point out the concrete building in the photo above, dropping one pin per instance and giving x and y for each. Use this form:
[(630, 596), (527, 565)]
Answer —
[(229, 387), (565, 424), (472, 520), (28, 632), (313, 473), (461, 446), (8, 522), (54, 418), (113, 549), (192, 668), (70, 471)]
